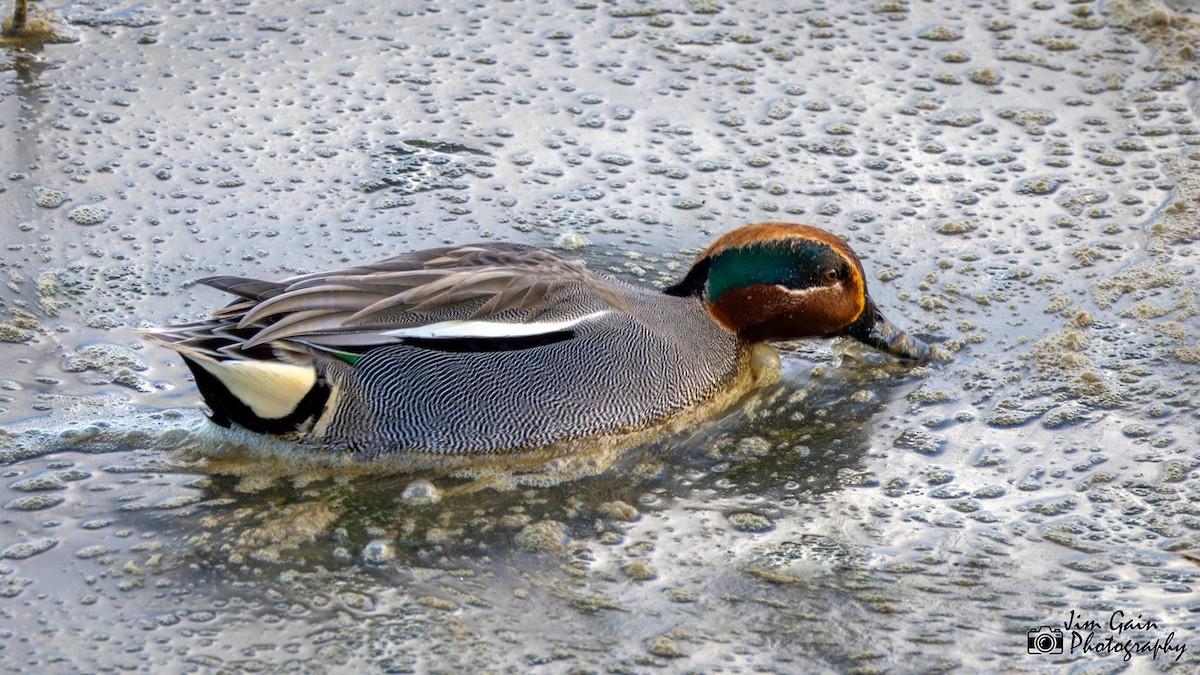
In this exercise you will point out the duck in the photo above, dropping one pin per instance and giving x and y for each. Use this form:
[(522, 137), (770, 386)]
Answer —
[(496, 348)]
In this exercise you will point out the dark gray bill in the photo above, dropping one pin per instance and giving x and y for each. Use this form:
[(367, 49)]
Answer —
[(874, 330)]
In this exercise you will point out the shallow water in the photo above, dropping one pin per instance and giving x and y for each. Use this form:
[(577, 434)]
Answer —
[(1020, 180)]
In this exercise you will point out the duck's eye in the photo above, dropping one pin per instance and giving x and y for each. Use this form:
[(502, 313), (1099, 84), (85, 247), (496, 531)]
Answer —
[(830, 276)]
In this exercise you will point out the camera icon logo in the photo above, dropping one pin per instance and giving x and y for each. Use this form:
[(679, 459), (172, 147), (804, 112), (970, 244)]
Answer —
[(1045, 640)]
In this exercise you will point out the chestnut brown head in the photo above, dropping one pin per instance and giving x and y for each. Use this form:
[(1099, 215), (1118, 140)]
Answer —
[(779, 281)]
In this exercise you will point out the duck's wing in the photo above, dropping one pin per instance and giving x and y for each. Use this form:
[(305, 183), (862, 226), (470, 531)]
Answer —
[(498, 292)]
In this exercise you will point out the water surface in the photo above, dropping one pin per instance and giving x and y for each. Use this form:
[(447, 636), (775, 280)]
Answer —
[(1020, 180)]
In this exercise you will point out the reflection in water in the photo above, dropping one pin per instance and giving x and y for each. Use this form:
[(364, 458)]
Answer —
[(28, 65)]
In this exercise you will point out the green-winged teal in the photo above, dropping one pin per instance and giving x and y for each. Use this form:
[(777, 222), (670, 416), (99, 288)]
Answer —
[(491, 347)]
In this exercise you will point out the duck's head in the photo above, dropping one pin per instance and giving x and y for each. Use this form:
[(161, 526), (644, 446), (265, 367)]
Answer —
[(780, 281)]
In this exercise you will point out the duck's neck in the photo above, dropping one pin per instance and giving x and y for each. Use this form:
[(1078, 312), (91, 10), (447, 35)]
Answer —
[(694, 282)]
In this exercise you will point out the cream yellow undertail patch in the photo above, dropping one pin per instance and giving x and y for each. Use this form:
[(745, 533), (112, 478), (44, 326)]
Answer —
[(270, 389)]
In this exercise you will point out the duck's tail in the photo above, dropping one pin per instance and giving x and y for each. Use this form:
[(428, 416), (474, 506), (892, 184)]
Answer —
[(268, 389)]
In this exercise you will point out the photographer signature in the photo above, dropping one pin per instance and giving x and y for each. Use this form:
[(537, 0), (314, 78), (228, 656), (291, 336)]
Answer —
[(1050, 640), (1116, 622)]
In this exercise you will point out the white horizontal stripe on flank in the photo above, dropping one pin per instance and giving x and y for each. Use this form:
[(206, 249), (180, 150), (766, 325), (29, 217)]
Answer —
[(488, 329)]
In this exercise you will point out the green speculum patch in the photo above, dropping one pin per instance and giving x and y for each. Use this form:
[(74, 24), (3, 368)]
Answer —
[(348, 357), (769, 264)]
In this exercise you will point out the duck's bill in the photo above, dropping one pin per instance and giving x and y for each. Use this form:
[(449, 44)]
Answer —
[(875, 331)]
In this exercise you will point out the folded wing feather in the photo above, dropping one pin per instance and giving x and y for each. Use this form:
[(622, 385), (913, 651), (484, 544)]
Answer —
[(483, 291)]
